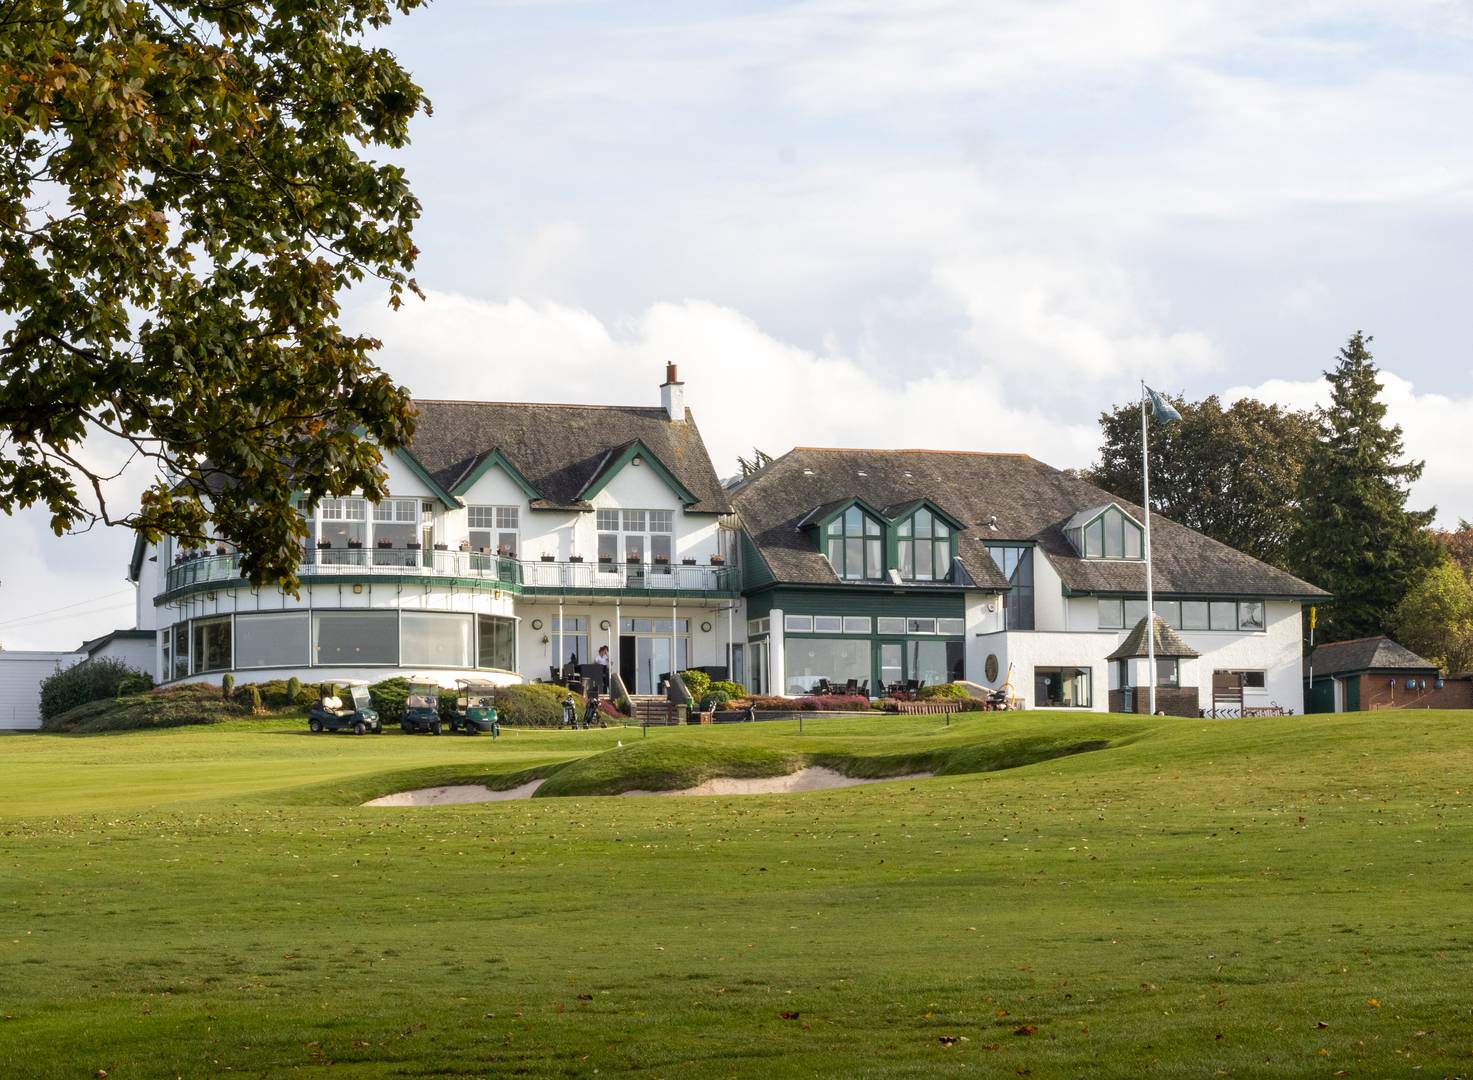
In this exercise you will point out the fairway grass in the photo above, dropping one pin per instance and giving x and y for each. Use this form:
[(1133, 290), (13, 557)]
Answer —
[(1071, 895)]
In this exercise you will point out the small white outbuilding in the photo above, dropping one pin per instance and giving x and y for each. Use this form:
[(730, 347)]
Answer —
[(20, 685)]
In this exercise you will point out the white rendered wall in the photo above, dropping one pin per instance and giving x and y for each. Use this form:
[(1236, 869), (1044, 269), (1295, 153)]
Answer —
[(21, 674), (1278, 652), (1048, 594)]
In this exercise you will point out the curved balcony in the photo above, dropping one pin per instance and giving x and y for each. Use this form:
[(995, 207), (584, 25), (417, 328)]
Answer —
[(530, 577)]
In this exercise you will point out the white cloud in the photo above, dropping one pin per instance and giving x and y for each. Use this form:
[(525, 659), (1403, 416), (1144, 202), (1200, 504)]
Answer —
[(1435, 430), (747, 388)]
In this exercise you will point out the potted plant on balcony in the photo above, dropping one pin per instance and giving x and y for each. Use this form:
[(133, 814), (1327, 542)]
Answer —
[(575, 558), (413, 545), (687, 562), (385, 543), (717, 560), (355, 543), (632, 560), (548, 557), (605, 560), (662, 560), (324, 544), (442, 547), (465, 545)]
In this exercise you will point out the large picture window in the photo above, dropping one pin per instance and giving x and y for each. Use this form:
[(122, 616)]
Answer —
[(275, 639), (856, 546), (434, 639), (571, 635), (924, 547), (836, 659), (636, 536), (1061, 688), (1109, 533), (395, 527), (496, 642), (1016, 563), (212, 645), (355, 637), (933, 662)]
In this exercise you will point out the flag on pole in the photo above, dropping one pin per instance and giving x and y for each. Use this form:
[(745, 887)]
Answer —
[(1162, 411)]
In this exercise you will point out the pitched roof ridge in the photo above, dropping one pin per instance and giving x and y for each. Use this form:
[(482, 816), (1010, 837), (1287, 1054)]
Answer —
[(1357, 641), (539, 404), (910, 450)]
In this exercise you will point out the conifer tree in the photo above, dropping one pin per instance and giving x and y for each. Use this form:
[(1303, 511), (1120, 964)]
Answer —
[(1355, 535)]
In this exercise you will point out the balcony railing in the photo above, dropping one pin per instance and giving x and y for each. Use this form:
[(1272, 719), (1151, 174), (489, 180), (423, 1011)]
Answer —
[(516, 574)]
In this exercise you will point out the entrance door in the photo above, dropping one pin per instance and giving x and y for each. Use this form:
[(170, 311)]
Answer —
[(889, 665), (1227, 692), (627, 663), (652, 660)]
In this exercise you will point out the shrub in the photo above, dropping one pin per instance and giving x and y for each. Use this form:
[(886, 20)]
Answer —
[(255, 699), (275, 695), (388, 698), (227, 684), (715, 699), (91, 680), (732, 690), (818, 703), (172, 706), (136, 683), (294, 689), (607, 708), (944, 690), (697, 682), (534, 705)]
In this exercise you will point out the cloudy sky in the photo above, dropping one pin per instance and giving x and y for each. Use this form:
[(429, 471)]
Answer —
[(958, 225)]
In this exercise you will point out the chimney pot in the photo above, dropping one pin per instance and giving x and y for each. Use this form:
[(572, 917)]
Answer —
[(672, 395), (672, 375)]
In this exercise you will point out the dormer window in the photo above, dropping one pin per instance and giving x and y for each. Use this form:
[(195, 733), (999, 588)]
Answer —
[(924, 546), (855, 543), (1106, 532)]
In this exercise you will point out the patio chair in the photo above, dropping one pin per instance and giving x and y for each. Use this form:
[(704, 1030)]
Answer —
[(851, 687), (864, 688)]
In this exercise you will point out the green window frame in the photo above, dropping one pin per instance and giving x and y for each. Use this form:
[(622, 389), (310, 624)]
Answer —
[(923, 547), (855, 545)]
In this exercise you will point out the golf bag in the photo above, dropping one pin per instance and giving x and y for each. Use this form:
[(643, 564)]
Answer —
[(570, 712), (591, 716)]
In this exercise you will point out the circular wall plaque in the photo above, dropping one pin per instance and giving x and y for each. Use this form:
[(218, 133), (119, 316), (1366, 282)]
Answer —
[(536, 624), (604, 625), (990, 668), (705, 628)]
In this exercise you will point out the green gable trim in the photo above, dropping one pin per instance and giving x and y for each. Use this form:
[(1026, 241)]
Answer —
[(908, 510), (834, 511), (613, 467), (449, 500), (482, 467)]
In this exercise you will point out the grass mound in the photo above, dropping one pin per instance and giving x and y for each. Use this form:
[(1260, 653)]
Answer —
[(665, 765), (173, 706)]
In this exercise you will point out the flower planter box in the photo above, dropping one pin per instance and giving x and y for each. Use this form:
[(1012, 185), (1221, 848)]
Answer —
[(687, 562), (717, 560), (412, 546), (324, 545), (386, 545), (605, 560), (549, 558), (355, 544), (575, 558)]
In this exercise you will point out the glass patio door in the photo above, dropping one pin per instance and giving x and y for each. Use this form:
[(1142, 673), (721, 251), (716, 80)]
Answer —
[(889, 665)]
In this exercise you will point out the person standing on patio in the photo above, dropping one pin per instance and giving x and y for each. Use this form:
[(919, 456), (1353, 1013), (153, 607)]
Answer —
[(602, 659)]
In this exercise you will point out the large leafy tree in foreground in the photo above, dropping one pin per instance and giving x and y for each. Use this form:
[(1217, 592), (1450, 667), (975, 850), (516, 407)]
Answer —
[(1354, 535), (1231, 473), (1435, 618), (184, 192)]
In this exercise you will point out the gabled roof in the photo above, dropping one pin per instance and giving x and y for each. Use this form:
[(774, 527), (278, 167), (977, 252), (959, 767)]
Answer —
[(1169, 644), (617, 458), (560, 450), (91, 645), (490, 459), (826, 512), (899, 511), (1084, 517), (1032, 502), (1366, 654)]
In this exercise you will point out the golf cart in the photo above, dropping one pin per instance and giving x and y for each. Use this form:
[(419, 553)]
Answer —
[(475, 707), (421, 709), (353, 712)]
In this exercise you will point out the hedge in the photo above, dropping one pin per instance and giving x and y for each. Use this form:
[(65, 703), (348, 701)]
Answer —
[(535, 705), (943, 690), (91, 680), (818, 703)]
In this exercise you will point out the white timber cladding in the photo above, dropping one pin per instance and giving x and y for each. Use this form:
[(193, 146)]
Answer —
[(20, 685)]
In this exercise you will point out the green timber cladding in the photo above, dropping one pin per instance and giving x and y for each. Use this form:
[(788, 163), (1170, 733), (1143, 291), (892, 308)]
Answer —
[(857, 600)]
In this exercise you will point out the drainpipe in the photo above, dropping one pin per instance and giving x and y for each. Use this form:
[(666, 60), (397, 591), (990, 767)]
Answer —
[(558, 659)]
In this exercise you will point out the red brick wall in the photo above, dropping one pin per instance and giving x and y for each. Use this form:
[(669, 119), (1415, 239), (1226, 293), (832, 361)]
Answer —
[(1171, 700), (1376, 692)]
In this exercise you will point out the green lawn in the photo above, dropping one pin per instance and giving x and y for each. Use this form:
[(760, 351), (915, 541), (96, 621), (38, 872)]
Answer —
[(1106, 897)]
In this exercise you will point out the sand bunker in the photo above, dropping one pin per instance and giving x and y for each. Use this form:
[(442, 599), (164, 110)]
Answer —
[(815, 778), (455, 793)]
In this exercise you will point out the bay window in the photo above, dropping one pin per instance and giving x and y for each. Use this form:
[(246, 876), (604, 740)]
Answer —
[(355, 637), (395, 526), (273, 639), (496, 642), (636, 536), (212, 645), (434, 639), (1016, 563)]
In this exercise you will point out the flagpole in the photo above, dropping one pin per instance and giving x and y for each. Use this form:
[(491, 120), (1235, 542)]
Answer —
[(1150, 592)]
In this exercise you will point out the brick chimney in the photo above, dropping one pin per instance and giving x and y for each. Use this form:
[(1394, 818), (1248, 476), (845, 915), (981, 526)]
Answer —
[(672, 395)]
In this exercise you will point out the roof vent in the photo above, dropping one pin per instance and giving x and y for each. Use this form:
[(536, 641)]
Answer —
[(861, 473), (807, 472)]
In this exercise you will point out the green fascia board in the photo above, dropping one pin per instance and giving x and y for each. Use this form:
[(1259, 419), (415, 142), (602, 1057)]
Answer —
[(475, 584), (908, 510), (495, 457), (615, 465), (840, 509), (450, 501), (135, 563)]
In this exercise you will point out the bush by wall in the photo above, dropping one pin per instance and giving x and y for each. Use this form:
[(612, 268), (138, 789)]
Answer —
[(171, 706), (534, 705), (732, 690), (91, 680), (388, 698), (818, 703), (697, 682), (943, 690)]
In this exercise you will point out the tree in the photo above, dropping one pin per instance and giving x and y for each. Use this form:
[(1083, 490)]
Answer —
[(759, 460), (1435, 618), (1458, 544), (184, 192), (1354, 535), (1231, 473)]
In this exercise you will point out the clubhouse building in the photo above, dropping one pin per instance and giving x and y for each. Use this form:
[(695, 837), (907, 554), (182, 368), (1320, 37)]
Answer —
[(518, 539)]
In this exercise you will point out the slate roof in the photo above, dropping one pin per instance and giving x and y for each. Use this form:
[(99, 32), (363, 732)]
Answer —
[(1168, 644), (560, 448), (1032, 502), (1365, 654)]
